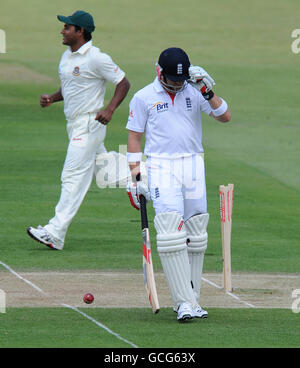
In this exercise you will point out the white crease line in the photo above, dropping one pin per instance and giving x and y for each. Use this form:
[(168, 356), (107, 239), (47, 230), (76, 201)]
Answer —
[(69, 306), (22, 278), (211, 283), (101, 325), (240, 300), (228, 293)]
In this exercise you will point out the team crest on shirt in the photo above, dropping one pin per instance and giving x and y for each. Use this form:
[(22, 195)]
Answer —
[(161, 106), (188, 103), (76, 71)]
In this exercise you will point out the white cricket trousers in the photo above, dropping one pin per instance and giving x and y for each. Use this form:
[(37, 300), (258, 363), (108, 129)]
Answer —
[(86, 140), (178, 184)]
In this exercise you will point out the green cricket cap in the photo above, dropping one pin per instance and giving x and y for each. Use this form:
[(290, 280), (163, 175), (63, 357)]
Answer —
[(79, 18)]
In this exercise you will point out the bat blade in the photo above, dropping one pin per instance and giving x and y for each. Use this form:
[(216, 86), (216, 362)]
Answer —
[(149, 280)]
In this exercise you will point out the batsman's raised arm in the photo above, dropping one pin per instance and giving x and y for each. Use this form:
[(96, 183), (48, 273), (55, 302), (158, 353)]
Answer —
[(203, 82), (220, 109)]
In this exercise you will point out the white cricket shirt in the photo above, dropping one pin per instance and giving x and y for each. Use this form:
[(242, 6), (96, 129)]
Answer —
[(172, 128), (83, 76)]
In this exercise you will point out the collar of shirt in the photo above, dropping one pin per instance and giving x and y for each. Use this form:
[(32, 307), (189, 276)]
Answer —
[(157, 85), (83, 49)]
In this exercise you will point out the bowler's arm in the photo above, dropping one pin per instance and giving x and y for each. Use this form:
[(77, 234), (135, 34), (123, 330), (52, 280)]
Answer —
[(121, 90), (46, 99)]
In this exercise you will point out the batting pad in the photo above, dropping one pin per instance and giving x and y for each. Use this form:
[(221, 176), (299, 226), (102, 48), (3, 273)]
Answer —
[(112, 170), (197, 243), (172, 249)]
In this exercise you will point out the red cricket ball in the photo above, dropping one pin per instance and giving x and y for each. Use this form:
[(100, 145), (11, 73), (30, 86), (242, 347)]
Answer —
[(88, 298)]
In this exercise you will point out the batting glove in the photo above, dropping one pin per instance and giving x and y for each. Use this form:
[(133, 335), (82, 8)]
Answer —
[(202, 81), (134, 190)]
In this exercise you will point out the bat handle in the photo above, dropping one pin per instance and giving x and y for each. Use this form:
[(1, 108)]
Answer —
[(144, 217)]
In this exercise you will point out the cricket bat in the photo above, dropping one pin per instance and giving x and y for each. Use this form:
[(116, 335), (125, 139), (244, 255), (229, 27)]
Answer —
[(149, 280)]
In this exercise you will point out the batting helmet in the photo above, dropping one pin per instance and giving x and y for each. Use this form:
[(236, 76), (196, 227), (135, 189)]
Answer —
[(174, 64)]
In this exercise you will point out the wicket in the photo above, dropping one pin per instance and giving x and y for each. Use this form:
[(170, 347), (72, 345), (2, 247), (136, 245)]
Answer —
[(226, 205)]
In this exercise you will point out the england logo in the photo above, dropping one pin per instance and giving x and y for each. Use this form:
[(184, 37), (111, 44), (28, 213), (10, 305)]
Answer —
[(188, 103), (179, 68)]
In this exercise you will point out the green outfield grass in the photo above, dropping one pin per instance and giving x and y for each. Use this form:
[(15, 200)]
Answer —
[(246, 47), (243, 329)]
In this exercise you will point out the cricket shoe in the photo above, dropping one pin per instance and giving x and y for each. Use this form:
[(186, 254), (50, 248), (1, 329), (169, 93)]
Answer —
[(199, 312), (185, 312), (42, 236)]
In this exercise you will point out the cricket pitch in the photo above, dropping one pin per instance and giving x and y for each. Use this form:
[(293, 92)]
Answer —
[(116, 289)]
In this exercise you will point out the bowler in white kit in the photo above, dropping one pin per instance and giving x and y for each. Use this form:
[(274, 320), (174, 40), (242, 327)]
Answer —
[(168, 112), (84, 71)]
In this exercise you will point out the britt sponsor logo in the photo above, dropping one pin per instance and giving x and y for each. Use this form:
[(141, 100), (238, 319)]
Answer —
[(295, 46), (296, 301), (161, 106), (2, 42), (2, 301)]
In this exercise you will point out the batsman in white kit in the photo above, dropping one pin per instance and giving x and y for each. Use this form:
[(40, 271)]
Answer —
[(84, 71), (168, 111)]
